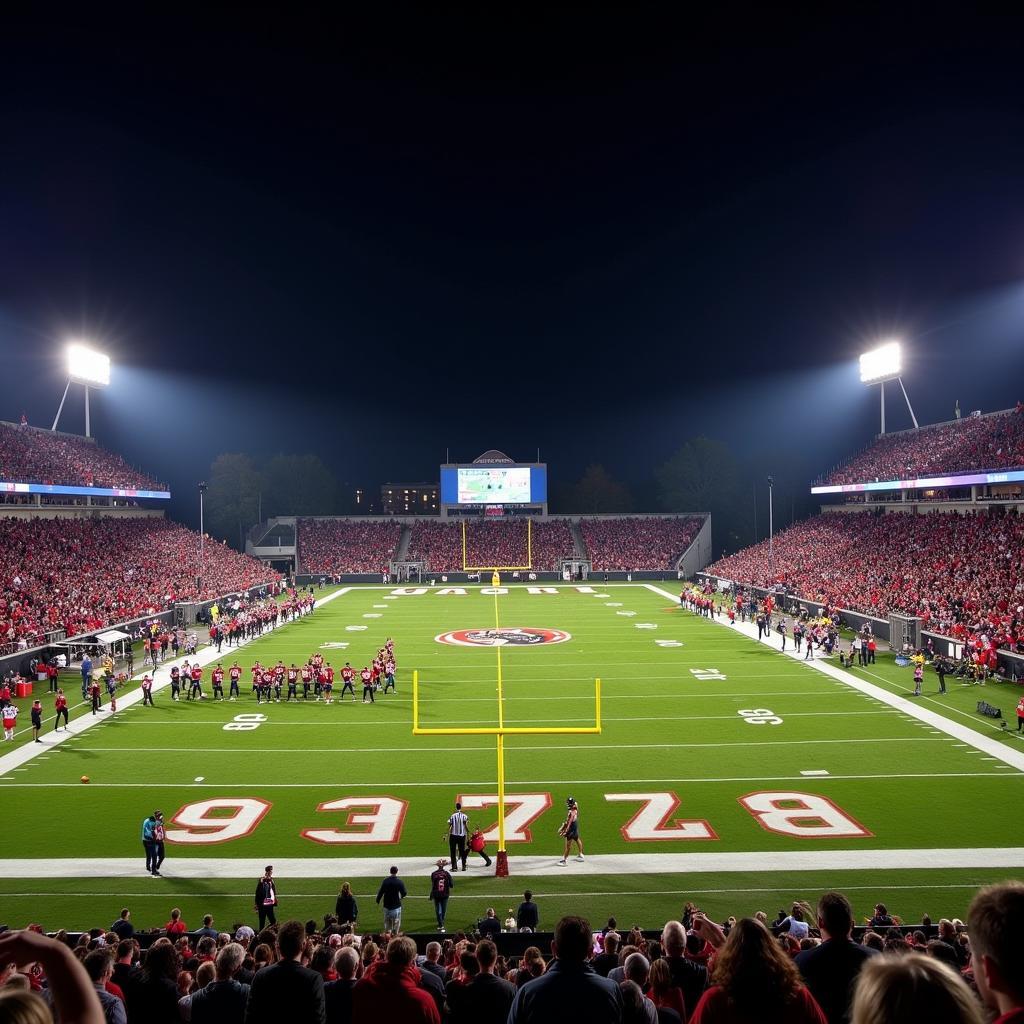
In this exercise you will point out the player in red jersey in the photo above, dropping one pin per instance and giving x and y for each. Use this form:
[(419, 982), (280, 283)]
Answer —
[(375, 674), (307, 680), (328, 684), (218, 682), (293, 680), (367, 677), (257, 675), (279, 671), (60, 705), (197, 683), (94, 693), (266, 682), (234, 674), (348, 673)]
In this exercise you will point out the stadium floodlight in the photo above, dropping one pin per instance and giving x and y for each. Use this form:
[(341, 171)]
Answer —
[(882, 364), (89, 368)]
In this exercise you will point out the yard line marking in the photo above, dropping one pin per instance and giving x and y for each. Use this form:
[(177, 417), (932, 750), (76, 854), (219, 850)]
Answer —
[(985, 744), (206, 656), (816, 772), (973, 886), (622, 864), (517, 721), (394, 784), (511, 748)]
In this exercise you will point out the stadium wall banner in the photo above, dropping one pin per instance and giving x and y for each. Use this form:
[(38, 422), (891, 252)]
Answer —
[(9, 487), (960, 480)]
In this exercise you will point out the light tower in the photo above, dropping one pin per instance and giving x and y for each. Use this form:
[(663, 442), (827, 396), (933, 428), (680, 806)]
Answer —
[(882, 364), (89, 368)]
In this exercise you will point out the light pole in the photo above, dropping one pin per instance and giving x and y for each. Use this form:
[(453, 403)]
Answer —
[(882, 364), (771, 530), (202, 535), (89, 368)]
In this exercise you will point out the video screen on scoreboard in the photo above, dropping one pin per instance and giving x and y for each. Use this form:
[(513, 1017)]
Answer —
[(493, 485)]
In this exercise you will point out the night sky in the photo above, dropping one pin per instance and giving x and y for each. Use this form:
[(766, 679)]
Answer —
[(597, 235)]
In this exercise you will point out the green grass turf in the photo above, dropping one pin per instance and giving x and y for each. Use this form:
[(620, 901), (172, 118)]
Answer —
[(664, 730)]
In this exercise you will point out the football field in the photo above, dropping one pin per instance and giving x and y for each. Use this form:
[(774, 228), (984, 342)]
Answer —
[(724, 772)]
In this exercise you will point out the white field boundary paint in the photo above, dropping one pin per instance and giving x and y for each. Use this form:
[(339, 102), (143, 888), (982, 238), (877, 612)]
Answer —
[(622, 864), (991, 747), (207, 656)]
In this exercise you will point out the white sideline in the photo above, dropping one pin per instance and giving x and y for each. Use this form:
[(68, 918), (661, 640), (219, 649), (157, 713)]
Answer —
[(987, 745), (620, 864), (206, 656)]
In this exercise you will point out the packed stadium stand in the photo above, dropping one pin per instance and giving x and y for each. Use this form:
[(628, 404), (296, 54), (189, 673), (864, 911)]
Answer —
[(973, 444), (79, 575), (347, 545), (31, 455), (638, 543), (552, 541), (962, 573), (807, 966), (437, 544)]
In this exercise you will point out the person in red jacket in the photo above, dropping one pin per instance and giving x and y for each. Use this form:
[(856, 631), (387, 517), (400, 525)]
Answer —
[(389, 990), (60, 705)]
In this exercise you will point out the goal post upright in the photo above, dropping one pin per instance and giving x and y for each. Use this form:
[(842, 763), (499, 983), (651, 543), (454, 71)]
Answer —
[(499, 733)]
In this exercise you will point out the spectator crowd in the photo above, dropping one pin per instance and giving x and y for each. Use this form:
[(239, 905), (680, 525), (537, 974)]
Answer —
[(79, 575), (638, 543), (806, 966), (961, 573), (31, 455), (973, 444), (332, 546)]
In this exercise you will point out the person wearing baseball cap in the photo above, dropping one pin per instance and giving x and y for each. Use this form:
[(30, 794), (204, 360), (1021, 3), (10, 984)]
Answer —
[(440, 889)]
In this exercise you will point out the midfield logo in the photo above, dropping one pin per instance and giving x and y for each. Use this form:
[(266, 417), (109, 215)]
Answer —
[(509, 636)]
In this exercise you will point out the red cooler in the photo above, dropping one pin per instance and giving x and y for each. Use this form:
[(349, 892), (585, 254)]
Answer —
[(23, 689)]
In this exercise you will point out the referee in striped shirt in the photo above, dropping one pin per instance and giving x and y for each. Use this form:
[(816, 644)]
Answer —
[(458, 827)]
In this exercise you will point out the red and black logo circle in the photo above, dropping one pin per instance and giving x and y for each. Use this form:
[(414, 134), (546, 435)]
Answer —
[(509, 636)]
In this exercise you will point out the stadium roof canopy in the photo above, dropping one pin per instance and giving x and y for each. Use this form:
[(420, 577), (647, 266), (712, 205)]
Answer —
[(492, 456)]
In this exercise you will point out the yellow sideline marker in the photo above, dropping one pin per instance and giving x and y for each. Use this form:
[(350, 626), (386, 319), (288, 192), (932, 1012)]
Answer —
[(500, 732)]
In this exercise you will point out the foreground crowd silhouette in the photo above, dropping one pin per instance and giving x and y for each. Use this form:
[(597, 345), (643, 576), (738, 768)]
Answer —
[(804, 968), (962, 573)]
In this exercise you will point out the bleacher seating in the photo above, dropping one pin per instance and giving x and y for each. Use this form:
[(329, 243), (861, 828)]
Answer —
[(347, 545), (31, 455), (962, 573), (491, 543), (82, 574), (638, 543), (968, 445)]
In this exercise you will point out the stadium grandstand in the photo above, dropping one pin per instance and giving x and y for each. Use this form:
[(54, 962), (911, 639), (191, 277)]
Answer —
[(960, 573), (75, 576), (604, 544), (35, 456), (347, 545), (975, 443)]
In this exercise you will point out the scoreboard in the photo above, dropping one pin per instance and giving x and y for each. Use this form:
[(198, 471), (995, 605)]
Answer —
[(484, 485)]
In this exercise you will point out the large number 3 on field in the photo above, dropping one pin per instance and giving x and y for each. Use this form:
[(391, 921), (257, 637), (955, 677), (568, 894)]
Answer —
[(382, 823), (208, 821)]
